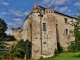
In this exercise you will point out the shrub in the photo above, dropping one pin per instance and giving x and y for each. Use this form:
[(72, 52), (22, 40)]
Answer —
[(59, 48), (56, 52), (22, 48), (28, 48), (74, 47)]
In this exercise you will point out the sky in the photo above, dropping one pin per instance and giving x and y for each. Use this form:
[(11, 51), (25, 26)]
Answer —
[(14, 12)]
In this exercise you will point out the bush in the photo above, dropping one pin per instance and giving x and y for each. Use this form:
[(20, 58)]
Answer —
[(28, 48), (19, 49), (56, 52), (10, 38), (22, 48), (74, 47), (59, 48)]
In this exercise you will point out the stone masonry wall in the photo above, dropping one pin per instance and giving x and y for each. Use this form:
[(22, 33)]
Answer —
[(44, 42)]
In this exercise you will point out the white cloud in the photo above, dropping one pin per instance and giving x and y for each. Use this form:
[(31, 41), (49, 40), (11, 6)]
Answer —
[(77, 3), (19, 13), (25, 13), (17, 22), (56, 8), (3, 13), (9, 32), (63, 9), (4, 3), (54, 2), (69, 10), (12, 24), (16, 12), (17, 19)]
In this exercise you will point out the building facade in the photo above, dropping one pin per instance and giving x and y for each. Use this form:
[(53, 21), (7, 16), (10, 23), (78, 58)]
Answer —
[(44, 27)]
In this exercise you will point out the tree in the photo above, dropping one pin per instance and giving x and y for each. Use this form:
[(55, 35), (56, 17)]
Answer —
[(3, 35), (3, 26), (10, 38), (77, 30), (3, 48), (76, 45), (28, 46), (19, 49), (22, 48)]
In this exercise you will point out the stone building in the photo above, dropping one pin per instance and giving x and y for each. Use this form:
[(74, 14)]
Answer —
[(17, 33), (44, 27)]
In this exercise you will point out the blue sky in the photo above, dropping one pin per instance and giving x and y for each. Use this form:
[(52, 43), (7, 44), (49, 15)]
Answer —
[(14, 12)]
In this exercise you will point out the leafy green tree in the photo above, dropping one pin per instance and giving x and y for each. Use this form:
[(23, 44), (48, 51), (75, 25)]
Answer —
[(3, 26), (3, 35), (3, 48), (10, 38), (19, 49), (76, 45), (22, 48), (28, 46), (77, 30)]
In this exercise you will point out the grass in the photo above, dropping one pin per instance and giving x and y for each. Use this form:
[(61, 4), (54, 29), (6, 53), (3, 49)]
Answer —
[(65, 56)]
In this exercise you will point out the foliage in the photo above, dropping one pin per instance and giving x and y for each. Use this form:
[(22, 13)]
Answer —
[(28, 48), (3, 50), (58, 50), (10, 38), (22, 48), (76, 45), (77, 30), (3, 35), (18, 50), (72, 47), (3, 26)]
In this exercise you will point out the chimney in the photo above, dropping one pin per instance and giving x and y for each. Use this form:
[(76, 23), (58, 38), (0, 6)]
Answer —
[(35, 5)]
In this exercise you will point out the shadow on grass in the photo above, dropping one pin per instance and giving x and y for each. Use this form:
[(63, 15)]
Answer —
[(77, 56)]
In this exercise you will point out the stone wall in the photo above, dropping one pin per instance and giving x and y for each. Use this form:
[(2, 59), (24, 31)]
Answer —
[(17, 33), (44, 27), (62, 25)]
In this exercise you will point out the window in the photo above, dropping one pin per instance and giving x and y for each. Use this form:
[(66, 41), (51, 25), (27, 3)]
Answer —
[(66, 22), (44, 12), (44, 26), (66, 31), (56, 25)]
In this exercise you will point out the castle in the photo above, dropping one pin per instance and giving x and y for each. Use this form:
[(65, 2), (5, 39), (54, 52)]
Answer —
[(44, 27)]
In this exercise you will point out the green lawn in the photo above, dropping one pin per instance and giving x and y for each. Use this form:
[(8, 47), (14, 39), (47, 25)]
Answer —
[(65, 56)]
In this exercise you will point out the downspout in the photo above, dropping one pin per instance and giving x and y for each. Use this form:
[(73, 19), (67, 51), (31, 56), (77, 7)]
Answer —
[(41, 28)]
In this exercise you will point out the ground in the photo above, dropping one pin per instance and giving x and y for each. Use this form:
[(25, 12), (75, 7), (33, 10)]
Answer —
[(65, 56)]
